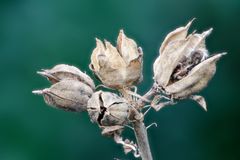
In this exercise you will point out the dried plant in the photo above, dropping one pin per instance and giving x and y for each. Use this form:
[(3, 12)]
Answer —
[(182, 69)]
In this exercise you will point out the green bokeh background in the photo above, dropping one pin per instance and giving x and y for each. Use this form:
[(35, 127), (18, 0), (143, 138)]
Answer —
[(37, 34)]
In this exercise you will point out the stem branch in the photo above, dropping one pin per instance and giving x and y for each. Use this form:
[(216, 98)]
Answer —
[(148, 95)]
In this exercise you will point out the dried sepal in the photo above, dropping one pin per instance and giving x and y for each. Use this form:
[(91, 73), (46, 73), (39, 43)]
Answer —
[(117, 67), (176, 35), (158, 103), (69, 95), (127, 48), (108, 109), (111, 130), (200, 100), (64, 71)]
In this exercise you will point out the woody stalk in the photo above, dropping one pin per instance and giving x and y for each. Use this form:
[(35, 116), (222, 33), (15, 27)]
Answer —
[(182, 69)]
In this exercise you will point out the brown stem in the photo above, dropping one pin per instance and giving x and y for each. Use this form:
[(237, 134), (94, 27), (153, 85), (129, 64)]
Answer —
[(142, 139), (139, 127)]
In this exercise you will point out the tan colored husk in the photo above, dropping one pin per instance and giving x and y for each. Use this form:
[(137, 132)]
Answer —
[(108, 109), (64, 71), (117, 67), (176, 35), (174, 53), (69, 95), (196, 80)]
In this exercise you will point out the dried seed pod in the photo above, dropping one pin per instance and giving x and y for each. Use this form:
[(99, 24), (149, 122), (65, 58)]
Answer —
[(64, 71), (184, 67), (108, 109), (196, 79), (69, 95), (117, 67)]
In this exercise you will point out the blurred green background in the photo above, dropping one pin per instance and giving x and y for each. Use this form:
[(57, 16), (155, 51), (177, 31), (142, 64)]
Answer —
[(37, 34)]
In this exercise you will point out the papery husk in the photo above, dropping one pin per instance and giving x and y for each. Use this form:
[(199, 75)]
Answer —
[(108, 109), (117, 67), (64, 71), (174, 53), (176, 35), (69, 95), (196, 80)]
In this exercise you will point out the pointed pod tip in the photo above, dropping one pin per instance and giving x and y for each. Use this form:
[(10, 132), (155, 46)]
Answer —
[(219, 55), (209, 31), (189, 23), (37, 92), (98, 40), (42, 73), (99, 43), (200, 100), (107, 43), (206, 33), (224, 53), (121, 31), (121, 34)]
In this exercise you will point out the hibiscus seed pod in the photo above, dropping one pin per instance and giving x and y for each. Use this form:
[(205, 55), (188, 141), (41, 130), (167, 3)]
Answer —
[(69, 95), (183, 66), (108, 109), (117, 67), (64, 71)]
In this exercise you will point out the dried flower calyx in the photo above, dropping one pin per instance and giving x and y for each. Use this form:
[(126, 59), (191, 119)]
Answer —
[(64, 71), (117, 67), (184, 66), (108, 109), (69, 95)]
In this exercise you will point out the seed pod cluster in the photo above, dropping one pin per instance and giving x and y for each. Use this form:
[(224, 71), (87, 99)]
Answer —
[(182, 69), (108, 109), (71, 88), (117, 67), (184, 66)]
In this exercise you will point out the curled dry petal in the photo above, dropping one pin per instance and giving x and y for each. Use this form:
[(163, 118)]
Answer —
[(64, 71), (108, 109), (117, 67), (128, 146), (69, 95)]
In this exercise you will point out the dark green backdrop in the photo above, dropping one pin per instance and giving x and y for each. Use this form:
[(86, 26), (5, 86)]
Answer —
[(37, 34)]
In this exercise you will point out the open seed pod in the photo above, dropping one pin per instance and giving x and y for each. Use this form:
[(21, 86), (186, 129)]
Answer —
[(184, 66), (69, 95), (108, 109)]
